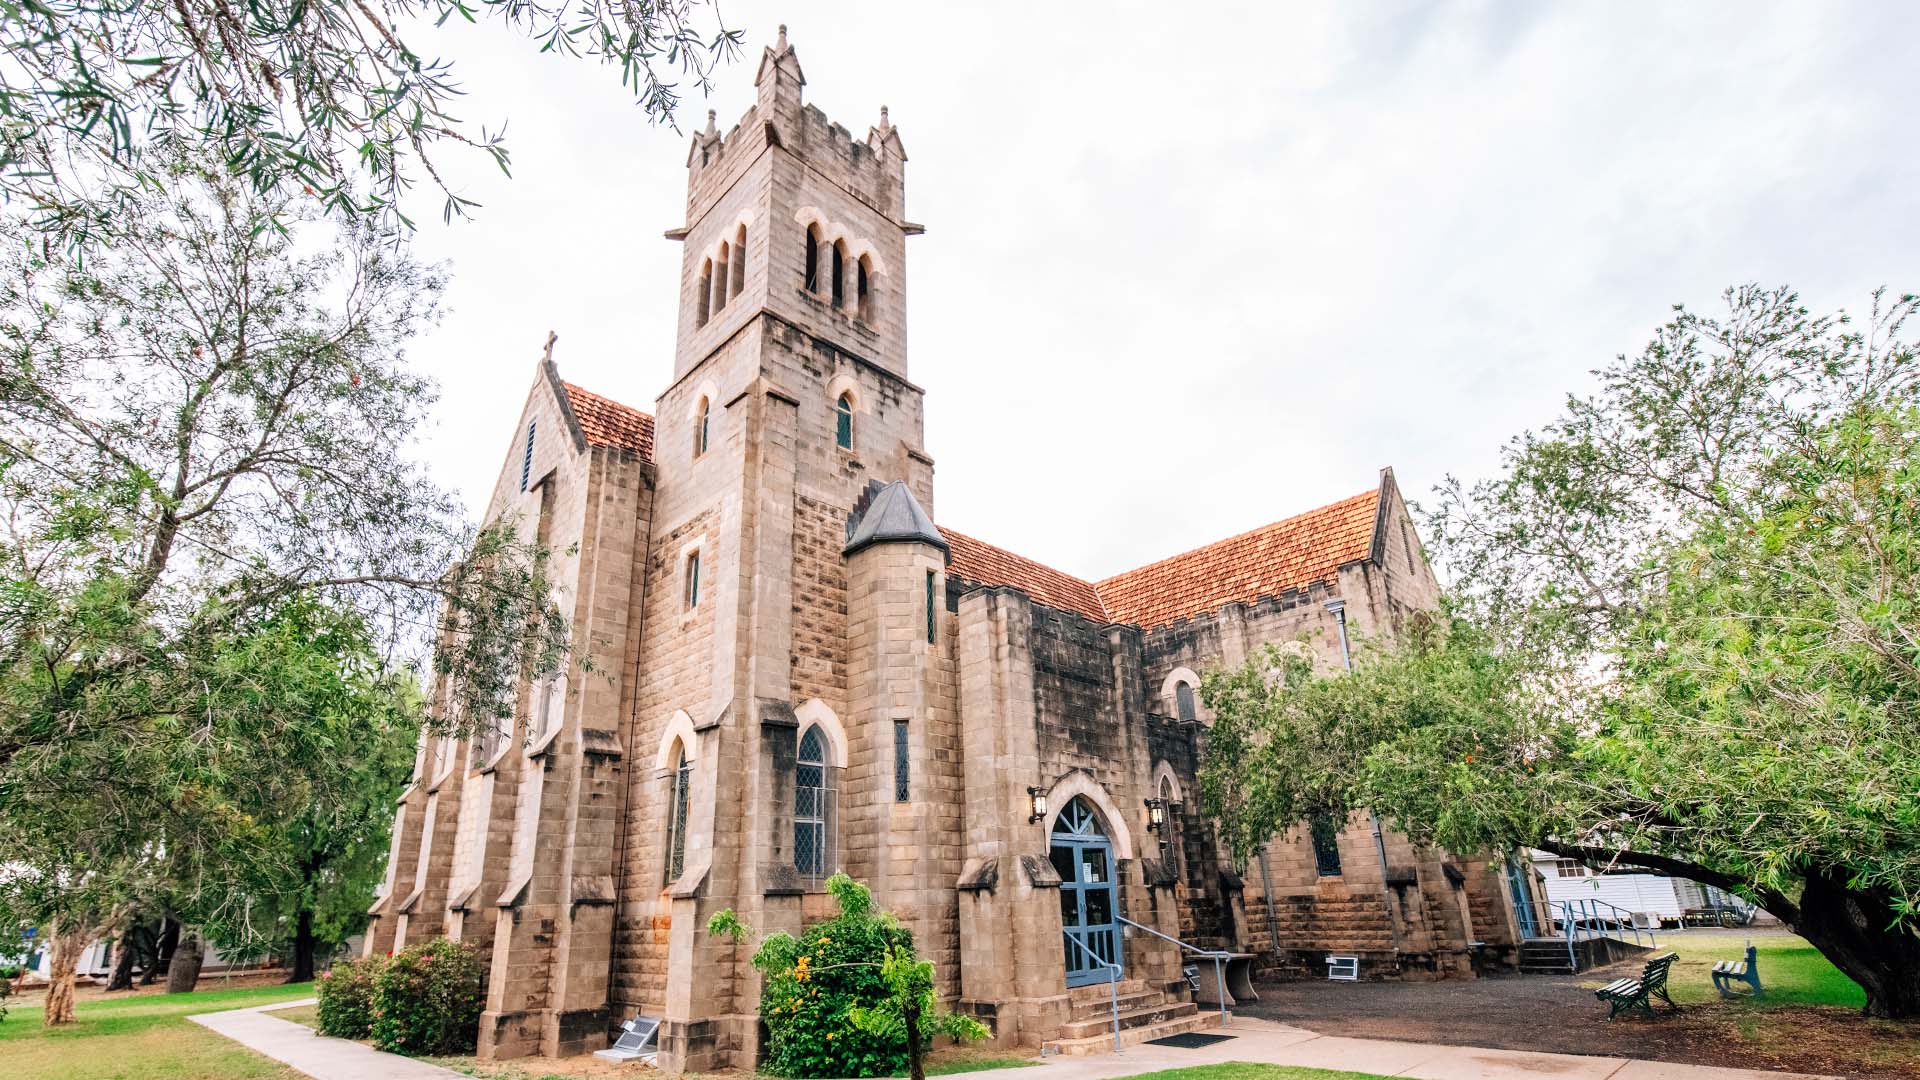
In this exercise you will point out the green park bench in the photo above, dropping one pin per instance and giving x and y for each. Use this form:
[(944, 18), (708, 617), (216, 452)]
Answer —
[(1728, 972), (1623, 994)]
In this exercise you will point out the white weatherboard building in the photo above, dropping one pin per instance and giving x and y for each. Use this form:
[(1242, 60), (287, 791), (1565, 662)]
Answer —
[(1641, 892)]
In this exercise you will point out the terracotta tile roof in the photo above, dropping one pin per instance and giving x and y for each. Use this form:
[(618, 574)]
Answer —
[(983, 564), (606, 422), (1268, 561)]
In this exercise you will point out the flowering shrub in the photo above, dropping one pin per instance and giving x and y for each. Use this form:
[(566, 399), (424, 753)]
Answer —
[(346, 998), (847, 998), (427, 999)]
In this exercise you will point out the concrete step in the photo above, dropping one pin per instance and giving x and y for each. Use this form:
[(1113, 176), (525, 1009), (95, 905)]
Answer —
[(1129, 1019), (1103, 1008), (1102, 1043), (1098, 991)]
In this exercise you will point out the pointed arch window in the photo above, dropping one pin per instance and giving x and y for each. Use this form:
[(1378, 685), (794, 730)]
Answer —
[(813, 259), (1166, 805), (693, 581), (703, 303), (843, 421), (701, 420), (1183, 700), (720, 274), (863, 302), (810, 803), (839, 281), (677, 801), (738, 278), (526, 459)]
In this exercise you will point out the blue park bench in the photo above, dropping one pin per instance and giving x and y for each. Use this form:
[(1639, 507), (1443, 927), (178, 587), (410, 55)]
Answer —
[(1623, 994), (1728, 972)]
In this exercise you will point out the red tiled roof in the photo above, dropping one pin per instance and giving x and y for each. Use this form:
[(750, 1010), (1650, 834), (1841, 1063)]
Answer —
[(983, 564), (1268, 561), (606, 422)]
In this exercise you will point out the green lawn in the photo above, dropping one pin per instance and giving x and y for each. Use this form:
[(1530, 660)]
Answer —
[(1241, 1070), (145, 1037), (1791, 971)]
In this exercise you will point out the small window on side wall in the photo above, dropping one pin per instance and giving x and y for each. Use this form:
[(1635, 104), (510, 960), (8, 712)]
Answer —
[(843, 422), (701, 420), (812, 278), (693, 581), (1326, 845), (1184, 702)]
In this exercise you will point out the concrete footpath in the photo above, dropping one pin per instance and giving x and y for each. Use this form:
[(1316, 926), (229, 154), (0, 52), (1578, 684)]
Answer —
[(1277, 1044), (316, 1055), (1252, 1040)]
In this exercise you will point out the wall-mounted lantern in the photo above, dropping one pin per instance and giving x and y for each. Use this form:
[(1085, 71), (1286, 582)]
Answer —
[(1156, 815), (1037, 798)]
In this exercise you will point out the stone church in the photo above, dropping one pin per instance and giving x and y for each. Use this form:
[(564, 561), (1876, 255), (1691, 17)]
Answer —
[(796, 669)]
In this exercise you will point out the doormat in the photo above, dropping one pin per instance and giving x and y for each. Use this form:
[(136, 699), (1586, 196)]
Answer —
[(1189, 1040)]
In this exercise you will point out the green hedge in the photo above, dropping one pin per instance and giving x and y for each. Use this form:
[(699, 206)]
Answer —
[(346, 998), (427, 1000)]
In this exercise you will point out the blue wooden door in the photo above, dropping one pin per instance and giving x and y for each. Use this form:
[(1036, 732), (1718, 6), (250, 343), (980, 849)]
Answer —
[(1083, 857)]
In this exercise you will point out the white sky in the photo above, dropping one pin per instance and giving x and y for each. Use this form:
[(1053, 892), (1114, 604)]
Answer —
[(1184, 278)]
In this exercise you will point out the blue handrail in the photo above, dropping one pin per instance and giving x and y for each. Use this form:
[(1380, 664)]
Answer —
[(1113, 981)]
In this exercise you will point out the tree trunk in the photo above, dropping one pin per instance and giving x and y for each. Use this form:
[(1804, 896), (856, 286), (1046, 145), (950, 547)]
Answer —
[(122, 977), (183, 973), (65, 943), (910, 1012), (300, 964), (163, 946), (1855, 929)]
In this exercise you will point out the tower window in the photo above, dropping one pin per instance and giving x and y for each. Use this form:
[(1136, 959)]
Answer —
[(810, 805), (1183, 700), (843, 422), (720, 292), (839, 273), (901, 761), (700, 427), (526, 459), (703, 305), (932, 624), (862, 301), (738, 277), (677, 801), (813, 259), (693, 581)]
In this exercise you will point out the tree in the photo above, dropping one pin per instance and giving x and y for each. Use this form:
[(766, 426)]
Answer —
[(207, 503), (325, 841), (1683, 638), (286, 93)]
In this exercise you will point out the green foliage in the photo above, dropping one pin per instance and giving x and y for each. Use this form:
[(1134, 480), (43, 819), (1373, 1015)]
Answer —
[(219, 557), (293, 98), (427, 999), (346, 1007), (846, 997), (1684, 637)]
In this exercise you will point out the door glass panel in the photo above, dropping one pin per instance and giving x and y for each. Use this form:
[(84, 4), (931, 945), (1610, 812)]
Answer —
[(1062, 859), (1099, 907), (1069, 907), (1093, 865)]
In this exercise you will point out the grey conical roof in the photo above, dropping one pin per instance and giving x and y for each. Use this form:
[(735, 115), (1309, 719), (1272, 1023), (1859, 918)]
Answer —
[(889, 514)]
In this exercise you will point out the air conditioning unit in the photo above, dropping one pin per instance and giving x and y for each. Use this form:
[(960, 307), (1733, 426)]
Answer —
[(1646, 920)]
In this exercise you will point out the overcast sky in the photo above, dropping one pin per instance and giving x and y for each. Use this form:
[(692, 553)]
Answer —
[(1184, 278)]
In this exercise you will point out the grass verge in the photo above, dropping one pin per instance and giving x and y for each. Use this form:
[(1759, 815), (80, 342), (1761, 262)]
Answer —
[(144, 1037)]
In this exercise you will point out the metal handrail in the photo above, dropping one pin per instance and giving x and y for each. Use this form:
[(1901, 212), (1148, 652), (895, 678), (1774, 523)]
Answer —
[(1113, 981), (1218, 956), (1605, 919)]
